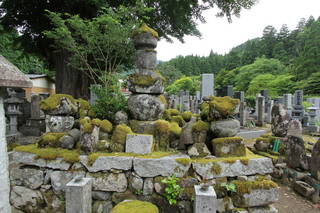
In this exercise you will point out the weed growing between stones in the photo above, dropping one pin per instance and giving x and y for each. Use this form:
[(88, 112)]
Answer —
[(172, 189)]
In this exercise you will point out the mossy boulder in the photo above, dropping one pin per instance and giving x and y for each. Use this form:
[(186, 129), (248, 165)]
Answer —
[(135, 206), (199, 131), (179, 120), (198, 150), (162, 135), (51, 139), (142, 127), (222, 107), (168, 113), (229, 147), (186, 116), (118, 138)]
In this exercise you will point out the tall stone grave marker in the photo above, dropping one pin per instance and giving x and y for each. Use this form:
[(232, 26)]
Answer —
[(207, 85), (298, 112), (261, 107), (239, 95)]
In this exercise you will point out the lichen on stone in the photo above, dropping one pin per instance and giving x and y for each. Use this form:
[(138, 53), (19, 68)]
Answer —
[(142, 80), (146, 29), (135, 206), (216, 168)]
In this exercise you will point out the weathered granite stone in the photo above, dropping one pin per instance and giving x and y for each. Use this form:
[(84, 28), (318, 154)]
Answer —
[(254, 166), (315, 161), (145, 107), (59, 179), (257, 197), (295, 152), (100, 195), (145, 39), (25, 158), (229, 147), (136, 183), (295, 128), (78, 195), (118, 197), (64, 107), (205, 200), (224, 204), (75, 133), (26, 199), (121, 118), (102, 207), (59, 123), (67, 142), (280, 121), (184, 206), (225, 128), (139, 144), (31, 178), (152, 82), (148, 186), (164, 166), (146, 59), (199, 137), (263, 209), (89, 141), (186, 135), (198, 150), (142, 127), (109, 182), (303, 188), (105, 163)]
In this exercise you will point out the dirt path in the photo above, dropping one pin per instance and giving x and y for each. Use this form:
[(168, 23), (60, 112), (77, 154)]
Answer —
[(290, 202)]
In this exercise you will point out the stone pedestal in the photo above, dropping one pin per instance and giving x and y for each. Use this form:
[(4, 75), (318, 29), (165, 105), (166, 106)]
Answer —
[(205, 200), (78, 196)]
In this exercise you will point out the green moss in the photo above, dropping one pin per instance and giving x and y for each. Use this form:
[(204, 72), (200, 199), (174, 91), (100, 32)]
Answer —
[(163, 100), (146, 29), (70, 156), (162, 126), (200, 126), (161, 135), (183, 161), (106, 126), (96, 122), (53, 101), (87, 128), (224, 105), (91, 113), (175, 129), (50, 139), (135, 206), (142, 80), (235, 145), (169, 113), (204, 110), (84, 120), (120, 134), (179, 120), (186, 116), (216, 168), (245, 187), (227, 140)]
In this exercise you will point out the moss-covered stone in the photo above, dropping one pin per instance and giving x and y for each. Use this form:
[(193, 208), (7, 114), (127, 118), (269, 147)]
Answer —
[(200, 126), (106, 126), (186, 116), (169, 113), (53, 101), (245, 187), (162, 135), (204, 107), (143, 80), (179, 120), (146, 29), (50, 139), (135, 206), (229, 147), (175, 130), (120, 133), (183, 161), (222, 107)]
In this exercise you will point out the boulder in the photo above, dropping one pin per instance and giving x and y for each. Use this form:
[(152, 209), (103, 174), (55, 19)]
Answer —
[(136, 183), (121, 117), (75, 134), (67, 142), (146, 82), (186, 135), (109, 182), (229, 147), (143, 127), (139, 143), (280, 121), (89, 141), (315, 161), (215, 169), (148, 186), (59, 104), (100, 195), (295, 152), (146, 107), (198, 150), (177, 164), (295, 128), (225, 128), (31, 178), (303, 188), (105, 163), (59, 123), (26, 199), (223, 107)]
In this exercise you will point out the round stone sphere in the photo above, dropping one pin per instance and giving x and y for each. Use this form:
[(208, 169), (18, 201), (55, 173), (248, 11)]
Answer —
[(144, 107)]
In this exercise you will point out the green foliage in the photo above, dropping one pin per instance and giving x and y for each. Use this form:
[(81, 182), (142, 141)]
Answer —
[(110, 100), (230, 187), (190, 84), (172, 189)]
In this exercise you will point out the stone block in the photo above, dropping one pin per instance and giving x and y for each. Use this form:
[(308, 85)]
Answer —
[(229, 147), (79, 196), (26, 199), (105, 163), (146, 59), (109, 182), (217, 169), (59, 179), (139, 144), (303, 188), (205, 200), (198, 150), (165, 166), (31, 178)]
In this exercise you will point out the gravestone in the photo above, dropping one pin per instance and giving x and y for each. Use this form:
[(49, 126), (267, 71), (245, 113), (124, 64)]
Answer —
[(261, 109), (269, 109), (78, 195), (239, 95), (207, 85), (298, 112), (229, 90), (312, 115), (287, 99), (242, 113), (205, 199)]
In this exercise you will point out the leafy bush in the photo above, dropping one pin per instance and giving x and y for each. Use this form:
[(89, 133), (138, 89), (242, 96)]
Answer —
[(172, 190)]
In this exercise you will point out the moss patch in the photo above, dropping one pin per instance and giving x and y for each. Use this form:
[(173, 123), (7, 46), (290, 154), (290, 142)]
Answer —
[(50, 139), (120, 134), (175, 130), (216, 168), (135, 206), (183, 161), (106, 126), (227, 140), (186, 116), (224, 105), (146, 29), (245, 187), (200, 126), (53, 101), (143, 80), (169, 113), (70, 156), (179, 120)]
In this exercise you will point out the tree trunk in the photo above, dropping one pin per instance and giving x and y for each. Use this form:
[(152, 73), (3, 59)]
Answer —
[(68, 79)]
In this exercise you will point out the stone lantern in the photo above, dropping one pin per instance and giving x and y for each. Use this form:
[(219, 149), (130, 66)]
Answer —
[(10, 76)]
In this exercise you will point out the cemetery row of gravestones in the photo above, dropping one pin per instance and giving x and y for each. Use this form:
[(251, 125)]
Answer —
[(179, 162)]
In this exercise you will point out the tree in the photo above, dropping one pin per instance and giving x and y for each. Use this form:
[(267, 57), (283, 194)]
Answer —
[(169, 72), (169, 18), (190, 84)]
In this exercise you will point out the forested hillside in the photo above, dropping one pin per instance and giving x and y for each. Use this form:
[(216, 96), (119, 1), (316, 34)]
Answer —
[(280, 61)]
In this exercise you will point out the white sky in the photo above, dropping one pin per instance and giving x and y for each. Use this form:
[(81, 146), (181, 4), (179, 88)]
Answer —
[(221, 36)]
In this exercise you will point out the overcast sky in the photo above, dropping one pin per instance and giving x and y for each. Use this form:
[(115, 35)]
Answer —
[(221, 36)]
